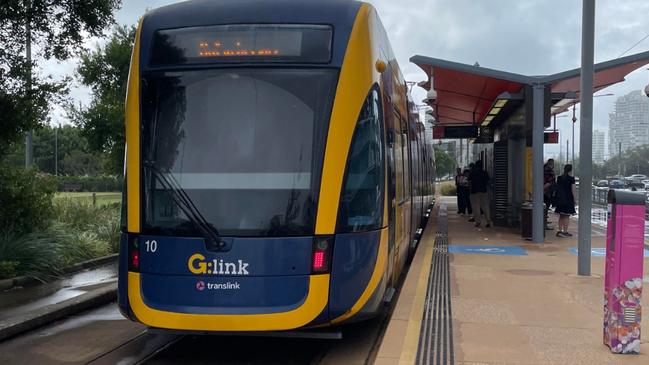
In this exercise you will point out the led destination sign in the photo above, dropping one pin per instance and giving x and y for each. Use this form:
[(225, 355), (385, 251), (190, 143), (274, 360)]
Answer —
[(242, 43)]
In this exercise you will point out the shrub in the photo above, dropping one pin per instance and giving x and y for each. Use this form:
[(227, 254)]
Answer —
[(448, 190), (81, 232), (101, 223), (34, 254), (25, 199)]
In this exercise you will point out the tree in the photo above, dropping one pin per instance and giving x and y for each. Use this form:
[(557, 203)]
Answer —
[(105, 71), (444, 163), (56, 28), (74, 157)]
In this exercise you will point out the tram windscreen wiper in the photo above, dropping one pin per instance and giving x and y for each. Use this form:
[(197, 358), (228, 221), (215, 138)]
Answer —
[(182, 200)]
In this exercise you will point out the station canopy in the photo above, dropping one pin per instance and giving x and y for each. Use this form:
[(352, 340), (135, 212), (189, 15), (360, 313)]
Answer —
[(474, 95)]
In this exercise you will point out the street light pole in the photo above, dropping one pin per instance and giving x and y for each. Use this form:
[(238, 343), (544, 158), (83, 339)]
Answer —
[(586, 135), (29, 146), (574, 120), (56, 150)]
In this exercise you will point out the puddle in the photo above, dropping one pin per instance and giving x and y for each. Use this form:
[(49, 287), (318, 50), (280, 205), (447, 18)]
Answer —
[(26, 300)]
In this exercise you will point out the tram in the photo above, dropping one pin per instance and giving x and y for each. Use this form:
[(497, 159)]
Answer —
[(277, 174)]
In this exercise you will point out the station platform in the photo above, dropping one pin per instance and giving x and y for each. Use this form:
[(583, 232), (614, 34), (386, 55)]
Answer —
[(486, 296)]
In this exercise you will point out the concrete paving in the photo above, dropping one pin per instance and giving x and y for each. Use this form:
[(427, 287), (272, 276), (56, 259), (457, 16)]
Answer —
[(508, 309), (26, 308)]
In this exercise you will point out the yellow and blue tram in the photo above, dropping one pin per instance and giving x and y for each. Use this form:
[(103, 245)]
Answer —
[(277, 174)]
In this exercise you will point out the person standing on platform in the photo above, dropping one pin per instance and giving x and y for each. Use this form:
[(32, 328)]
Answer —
[(565, 200), (479, 179), (471, 197), (549, 179), (458, 174), (464, 194)]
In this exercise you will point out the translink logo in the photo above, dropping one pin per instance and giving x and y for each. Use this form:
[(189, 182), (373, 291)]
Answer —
[(198, 265)]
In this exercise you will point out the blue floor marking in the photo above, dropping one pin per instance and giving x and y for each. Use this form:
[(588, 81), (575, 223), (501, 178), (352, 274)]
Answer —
[(488, 250), (601, 252)]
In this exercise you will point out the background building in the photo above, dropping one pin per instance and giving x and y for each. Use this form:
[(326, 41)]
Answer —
[(629, 123), (599, 146)]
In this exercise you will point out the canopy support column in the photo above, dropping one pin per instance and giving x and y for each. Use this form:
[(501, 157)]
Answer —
[(538, 216)]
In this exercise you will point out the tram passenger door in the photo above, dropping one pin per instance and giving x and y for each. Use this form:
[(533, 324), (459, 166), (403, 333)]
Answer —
[(391, 186), (400, 178)]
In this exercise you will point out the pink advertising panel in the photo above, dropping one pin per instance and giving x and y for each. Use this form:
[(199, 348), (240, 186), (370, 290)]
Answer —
[(624, 271)]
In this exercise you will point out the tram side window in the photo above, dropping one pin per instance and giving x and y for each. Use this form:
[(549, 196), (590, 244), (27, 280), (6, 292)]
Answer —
[(405, 159), (361, 201)]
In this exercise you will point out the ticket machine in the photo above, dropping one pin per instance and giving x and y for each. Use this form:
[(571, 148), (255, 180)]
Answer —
[(623, 276)]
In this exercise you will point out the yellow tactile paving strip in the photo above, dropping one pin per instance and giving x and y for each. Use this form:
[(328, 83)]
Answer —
[(399, 345)]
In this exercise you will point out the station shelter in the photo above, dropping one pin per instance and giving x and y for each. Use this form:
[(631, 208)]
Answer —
[(508, 118)]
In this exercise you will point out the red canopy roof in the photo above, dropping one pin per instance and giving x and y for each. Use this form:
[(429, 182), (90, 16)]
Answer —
[(465, 93)]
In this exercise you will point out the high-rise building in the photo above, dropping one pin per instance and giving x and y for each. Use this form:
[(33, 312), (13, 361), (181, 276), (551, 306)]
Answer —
[(599, 145), (629, 123)]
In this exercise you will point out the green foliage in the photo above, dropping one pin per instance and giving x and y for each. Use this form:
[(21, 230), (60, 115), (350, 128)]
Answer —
[(57, 29), (35, 254), (74, 157), (80, 232), (448, 189), (444, 163), (25, 199), (633, 161), (90, 183), (105, 70), (94, 229)]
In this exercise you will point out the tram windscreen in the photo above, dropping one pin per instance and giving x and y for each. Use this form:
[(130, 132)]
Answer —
[(245, 145), (242, 43)]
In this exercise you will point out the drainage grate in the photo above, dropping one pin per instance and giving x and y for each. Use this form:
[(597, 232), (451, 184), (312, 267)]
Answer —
[(436, 334)]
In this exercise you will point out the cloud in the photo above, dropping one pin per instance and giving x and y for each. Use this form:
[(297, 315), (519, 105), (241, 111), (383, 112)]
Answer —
[(527, 36)]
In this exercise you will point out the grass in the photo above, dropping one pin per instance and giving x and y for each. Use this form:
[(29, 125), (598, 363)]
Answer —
[(102, 198), (446, 188)]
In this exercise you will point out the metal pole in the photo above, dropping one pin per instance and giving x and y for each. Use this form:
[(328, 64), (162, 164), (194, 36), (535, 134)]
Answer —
[(619, 156), (56, 151), (538, 229), (586, 135), (573, 144), (29, 146)]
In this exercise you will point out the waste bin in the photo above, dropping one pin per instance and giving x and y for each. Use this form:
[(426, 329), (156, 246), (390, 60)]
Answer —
[(527, 222), (624, 272)]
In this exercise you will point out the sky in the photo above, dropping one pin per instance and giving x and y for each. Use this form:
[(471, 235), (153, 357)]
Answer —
[(532, 37)]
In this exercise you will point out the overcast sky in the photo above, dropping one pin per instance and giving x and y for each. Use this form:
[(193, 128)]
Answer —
[(532, 37)]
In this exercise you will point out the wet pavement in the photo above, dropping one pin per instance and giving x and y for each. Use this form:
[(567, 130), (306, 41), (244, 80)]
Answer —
[(598, 219), (20, 301), (102, 336), (76, 340)]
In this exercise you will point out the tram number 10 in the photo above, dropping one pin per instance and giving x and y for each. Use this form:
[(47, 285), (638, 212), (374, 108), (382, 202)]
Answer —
[(151, 246)]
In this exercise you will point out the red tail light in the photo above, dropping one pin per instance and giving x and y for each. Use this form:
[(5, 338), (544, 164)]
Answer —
[(318, 260), (133, 254), (321, 257), (135, 260)]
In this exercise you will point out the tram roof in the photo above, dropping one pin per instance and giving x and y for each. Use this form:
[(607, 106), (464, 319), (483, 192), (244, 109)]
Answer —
[(466, 93)]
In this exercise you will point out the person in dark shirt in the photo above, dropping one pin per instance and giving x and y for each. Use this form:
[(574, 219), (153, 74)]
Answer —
[(565, 200), (463, 193), (479, 180), (458, 174), (471, 168), (548, 180)]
